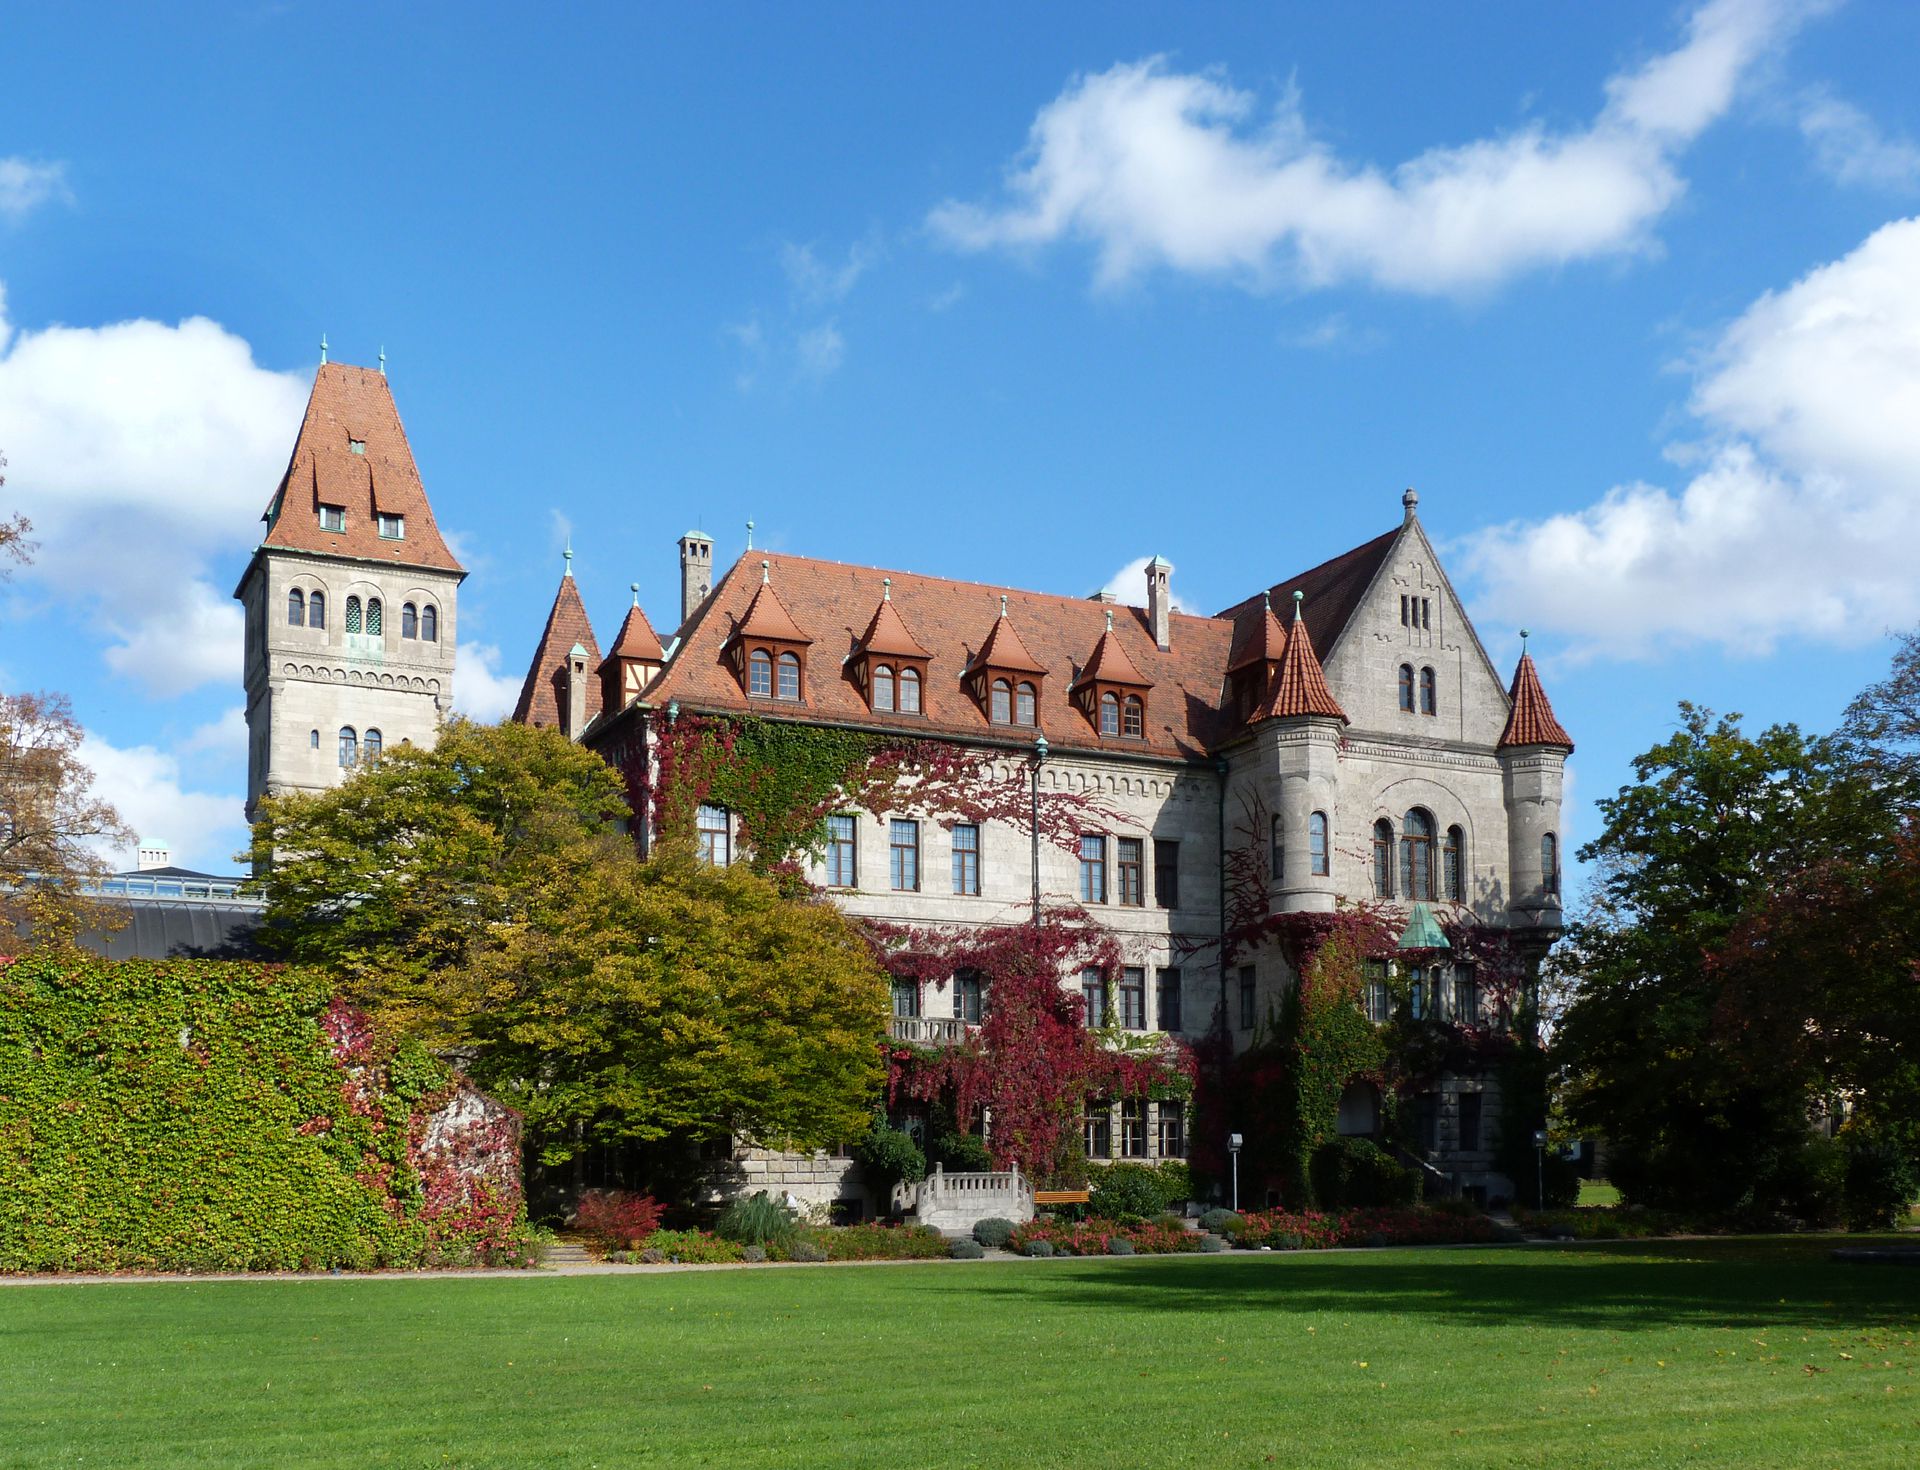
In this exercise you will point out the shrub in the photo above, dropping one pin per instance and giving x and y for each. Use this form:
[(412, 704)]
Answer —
[(613, 1219), (756, 1219), (653, 1256), (806, 1250), (1212, 1245), (753, 1255), (695, 1248), (1126, 1192), (1218, 1220), (993, 1231), (890, 1156), (875, 1242), (966, 1250), (1880, 1182), (1119, 1246), (1356, 1173), (1095, 1237), (1039, 1248)]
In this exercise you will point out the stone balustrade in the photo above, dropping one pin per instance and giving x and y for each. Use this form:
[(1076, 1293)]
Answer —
[(955, 1203), (930, 1030)]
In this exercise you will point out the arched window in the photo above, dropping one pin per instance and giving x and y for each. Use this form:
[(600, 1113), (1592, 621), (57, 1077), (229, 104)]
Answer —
[(429, 624), (1000, 705), (1109, 714), (317, 610), (1429, 693), (1406, 687), (313, 740), (909, 691), (1133, 717), (1550, 863), (760, 673), (349, 746), (296, 608), (353, 615), (1453, 874), (1317, 846), (370, 747), (883, 687), (1416, 855), (789, 676), (1383, 859), (409, 620), (1276, 849), (373, 617), (1023, 705)]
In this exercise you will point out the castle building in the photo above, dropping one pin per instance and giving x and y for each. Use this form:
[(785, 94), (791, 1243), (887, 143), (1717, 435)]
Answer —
[(1345, 723), (351, 598)]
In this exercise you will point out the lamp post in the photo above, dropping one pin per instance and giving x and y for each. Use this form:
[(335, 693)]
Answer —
[(1539, 1168), (1039, 756), (1233, 1150)]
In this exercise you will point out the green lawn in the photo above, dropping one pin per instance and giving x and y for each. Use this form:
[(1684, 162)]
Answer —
[(1597, 1192), (1750, 1354)]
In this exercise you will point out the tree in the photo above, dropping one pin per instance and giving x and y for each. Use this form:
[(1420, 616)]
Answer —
[(14, 545), (52, 826), (1881, 731)]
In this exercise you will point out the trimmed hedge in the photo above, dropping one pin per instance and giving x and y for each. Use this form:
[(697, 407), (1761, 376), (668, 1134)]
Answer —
[(198, 1115)]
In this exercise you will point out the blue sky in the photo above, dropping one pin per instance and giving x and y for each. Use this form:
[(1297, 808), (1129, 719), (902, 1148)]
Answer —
[(1631, 293)]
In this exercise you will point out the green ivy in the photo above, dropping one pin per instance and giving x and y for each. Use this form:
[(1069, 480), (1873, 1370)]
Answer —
[(781, 780)]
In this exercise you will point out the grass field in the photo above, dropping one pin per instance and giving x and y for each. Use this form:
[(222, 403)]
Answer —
[(1747, 1353), (1597, 1192)]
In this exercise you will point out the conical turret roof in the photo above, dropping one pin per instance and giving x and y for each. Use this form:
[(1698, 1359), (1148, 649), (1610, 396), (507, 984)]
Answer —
[(637, 639), (1300, 687), (1530, 721), (567, 628)]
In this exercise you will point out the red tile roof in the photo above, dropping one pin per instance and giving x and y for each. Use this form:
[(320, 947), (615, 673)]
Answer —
[(767, 616), (887, 635), (1110, 664), (1332, 591), (543, 694), (949, 619), (1300, 687), (1531, 721), (636, 638), (1258, 637), (354, 404)]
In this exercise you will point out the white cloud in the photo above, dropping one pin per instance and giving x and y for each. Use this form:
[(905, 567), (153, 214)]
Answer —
[(1129, 584), (140, 451), (1849, 146), (25, 186), (223, 738), (480, 690), (821, 350), (1154, 167), (1800, 522), (818, 283), (203, 829)]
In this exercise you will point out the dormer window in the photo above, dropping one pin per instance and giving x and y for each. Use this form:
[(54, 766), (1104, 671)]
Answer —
[(882, 687), (1133, 718), (888, 664), (393, 528), (1109, 714), (789, 672), (760, 674), (1111, 691), (766, 649), (1001, 712), (356, 446), (909, 691), (333, 518)]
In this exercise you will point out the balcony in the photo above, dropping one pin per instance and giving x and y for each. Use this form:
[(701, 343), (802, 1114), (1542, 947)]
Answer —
[(930, 1030)]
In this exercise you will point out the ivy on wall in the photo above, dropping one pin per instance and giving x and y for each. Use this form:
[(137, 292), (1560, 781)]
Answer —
[(213, 1115)]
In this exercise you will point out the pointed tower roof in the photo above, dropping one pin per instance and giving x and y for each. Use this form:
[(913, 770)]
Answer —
[(567, 629), (887, 633), (1004, 650), (767, 615), (1300, 688), (1258, 637), (349, 407), (1530, 721), (1109, 663), (636, 638)]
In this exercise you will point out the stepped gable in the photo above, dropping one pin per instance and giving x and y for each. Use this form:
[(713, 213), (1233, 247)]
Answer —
[(545, 688), (1530, 719), (1332, 590), (945, 619), (1300, 688), (348, 405), (1109, 664), (636, 638), (887, 636)]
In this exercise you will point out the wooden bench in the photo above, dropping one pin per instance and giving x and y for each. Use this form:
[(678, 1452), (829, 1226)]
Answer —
[(1060, 1196)]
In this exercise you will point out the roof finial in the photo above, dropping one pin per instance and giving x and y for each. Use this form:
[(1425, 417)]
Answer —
[(323, 349), (886, 589), (1266, 599), (634, 588), (1410, 500), (749, 535), (1003, 604), (1523, 643), (766, 574), (1109, 620), (383, 359), (568, 554), (1298, 598)]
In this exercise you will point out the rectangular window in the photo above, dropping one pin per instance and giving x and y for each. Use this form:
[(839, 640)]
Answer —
[(1093, 868), (393, 528), (714, 836), (1093, 990), (966, 859), (903, 855), (906, 996), (333, 518), (1426, 612), (1466, 995), (1099, 1129), (1375, 997), (842, 868), (356, 446), (1166, 1003), (1133, 998), (1166, 874), (1249, 998), (1133, 1128), (1173, 1130), (1133, 879), (966, 997), (1469, 1122)]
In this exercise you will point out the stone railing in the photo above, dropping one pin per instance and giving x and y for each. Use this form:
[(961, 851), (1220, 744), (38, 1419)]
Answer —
[(955, 1203), (930, 1030)]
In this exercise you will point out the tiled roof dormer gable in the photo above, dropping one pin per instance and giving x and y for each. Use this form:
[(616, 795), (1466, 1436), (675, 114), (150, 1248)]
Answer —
[(1300, 686), (1259, 647), (1004, 679), (635, 660), (1111, 691), (767, 650), (888, 664), (1530, 719)]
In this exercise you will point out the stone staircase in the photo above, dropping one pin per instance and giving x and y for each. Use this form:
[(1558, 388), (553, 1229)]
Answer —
[(566, 1252)]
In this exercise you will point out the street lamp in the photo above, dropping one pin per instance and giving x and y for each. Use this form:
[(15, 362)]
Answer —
[(1233, 1149), (1039, 756), (1539, 1168)]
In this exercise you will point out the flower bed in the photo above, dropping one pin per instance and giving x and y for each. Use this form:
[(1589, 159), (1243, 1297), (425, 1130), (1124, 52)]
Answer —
[(1094, 1237), (1312, 1230), (1615, 1222), (881, 1243)]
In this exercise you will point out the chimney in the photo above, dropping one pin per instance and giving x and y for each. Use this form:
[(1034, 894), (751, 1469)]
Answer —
[(576, 715), (150, 853), (1159, 601), (696, 572)]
